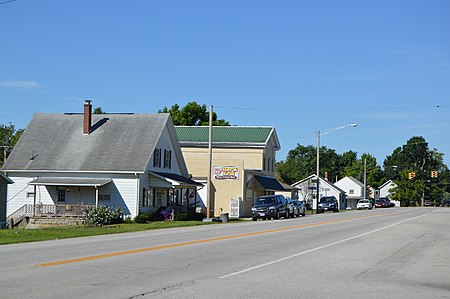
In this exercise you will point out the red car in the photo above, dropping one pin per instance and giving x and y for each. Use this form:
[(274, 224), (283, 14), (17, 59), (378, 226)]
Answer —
[(381, 203)]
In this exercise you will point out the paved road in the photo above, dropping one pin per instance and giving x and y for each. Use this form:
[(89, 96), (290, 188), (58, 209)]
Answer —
[(383, 253)]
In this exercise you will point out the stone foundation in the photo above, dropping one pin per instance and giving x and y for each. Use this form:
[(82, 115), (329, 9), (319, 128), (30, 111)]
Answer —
[(42, 222)]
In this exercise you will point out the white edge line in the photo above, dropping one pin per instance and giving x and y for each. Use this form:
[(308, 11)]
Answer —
[(317, 248)]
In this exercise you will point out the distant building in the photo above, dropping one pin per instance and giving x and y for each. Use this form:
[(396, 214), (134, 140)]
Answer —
[(353, 188), (307, 191), (243, 162), (386, 190)]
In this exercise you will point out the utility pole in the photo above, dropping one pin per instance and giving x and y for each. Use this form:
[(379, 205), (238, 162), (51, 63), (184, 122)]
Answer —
[(365, 180), (208, 195), (317, 171)]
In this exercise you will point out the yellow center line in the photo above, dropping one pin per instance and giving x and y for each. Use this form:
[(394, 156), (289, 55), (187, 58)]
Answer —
[(153, 248)]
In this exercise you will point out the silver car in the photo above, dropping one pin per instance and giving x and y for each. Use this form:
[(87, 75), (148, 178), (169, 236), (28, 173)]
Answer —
[(300, 207)]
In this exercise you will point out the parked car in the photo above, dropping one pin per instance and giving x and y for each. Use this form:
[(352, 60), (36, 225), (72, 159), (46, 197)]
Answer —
[(445, 202), (428, 203), (328, 203), (301, 208), (382, 203), (270, 206), (364, 204), (292, 209)]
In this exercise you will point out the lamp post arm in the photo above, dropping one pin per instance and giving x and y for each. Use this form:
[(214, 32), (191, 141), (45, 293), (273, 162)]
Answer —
[(338, 128)]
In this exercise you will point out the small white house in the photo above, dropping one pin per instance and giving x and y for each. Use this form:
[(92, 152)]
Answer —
[(308, 186), (353, 188), (67, 161), (386, 190)]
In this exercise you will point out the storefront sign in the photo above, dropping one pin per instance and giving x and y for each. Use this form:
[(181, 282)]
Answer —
[(226, 172)]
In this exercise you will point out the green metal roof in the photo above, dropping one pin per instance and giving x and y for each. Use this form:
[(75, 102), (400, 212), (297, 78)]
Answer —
[(224, 134)]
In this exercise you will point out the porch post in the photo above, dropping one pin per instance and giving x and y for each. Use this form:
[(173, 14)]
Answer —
[(195, 199), (96, 196), (34, 202)]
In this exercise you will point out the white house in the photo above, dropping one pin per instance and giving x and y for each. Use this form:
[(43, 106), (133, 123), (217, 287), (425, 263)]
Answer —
[(131, 161), (308, 186), (353, 188), (4, 181), (385, 190)]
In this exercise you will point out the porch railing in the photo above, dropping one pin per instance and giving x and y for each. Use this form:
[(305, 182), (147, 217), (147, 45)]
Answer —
[(41, 210)]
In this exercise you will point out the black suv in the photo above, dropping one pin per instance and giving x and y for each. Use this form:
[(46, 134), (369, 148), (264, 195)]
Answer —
[(270, 206), (328, 203)]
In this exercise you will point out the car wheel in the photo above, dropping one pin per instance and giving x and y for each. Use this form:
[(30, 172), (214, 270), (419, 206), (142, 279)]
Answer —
[(303, 214), (254, 219), (268, 218)]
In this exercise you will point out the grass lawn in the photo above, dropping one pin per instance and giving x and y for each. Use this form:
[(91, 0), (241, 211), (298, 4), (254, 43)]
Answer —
[(10, 236)]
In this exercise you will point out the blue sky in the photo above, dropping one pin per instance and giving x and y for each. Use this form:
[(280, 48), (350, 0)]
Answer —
[(300, 66)]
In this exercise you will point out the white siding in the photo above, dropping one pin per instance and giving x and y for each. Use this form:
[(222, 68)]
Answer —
[(17, 194), (347, 184), (127, 191), (122, 190), (165, 143)]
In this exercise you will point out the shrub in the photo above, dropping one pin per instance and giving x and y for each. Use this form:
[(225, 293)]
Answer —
[(182, 216), (143, 217), (101, 215)]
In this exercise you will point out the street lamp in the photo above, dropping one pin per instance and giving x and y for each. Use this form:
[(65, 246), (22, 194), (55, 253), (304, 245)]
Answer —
[(318, 156)]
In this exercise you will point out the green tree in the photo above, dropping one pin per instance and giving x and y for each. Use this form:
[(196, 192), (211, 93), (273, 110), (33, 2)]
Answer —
[(99, 110), (193, 114), (301, 163), (374, 174), (9, 136), (415, 156)]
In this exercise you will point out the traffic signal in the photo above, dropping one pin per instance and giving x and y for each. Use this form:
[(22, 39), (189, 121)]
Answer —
[(434, 173), (411, 175)]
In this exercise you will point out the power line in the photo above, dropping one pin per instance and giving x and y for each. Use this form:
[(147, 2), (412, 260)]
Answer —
[(331, 108)]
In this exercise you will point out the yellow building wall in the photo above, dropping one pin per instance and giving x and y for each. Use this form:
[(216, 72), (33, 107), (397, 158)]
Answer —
[(225, 189)]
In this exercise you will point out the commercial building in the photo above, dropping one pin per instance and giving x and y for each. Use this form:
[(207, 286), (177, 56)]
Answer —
[(243, 165)]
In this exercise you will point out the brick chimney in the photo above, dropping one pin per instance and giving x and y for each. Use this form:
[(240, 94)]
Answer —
[(87, 117)]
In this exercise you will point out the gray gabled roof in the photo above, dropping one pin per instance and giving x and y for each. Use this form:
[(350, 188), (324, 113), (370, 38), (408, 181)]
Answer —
[(117, 143)]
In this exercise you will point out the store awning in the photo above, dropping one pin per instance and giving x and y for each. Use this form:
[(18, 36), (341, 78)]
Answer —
[(176, 179), (269, 183), (78, 182)]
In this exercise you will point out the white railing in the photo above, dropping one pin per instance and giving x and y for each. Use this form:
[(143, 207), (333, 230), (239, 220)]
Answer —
[(40, 210)]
